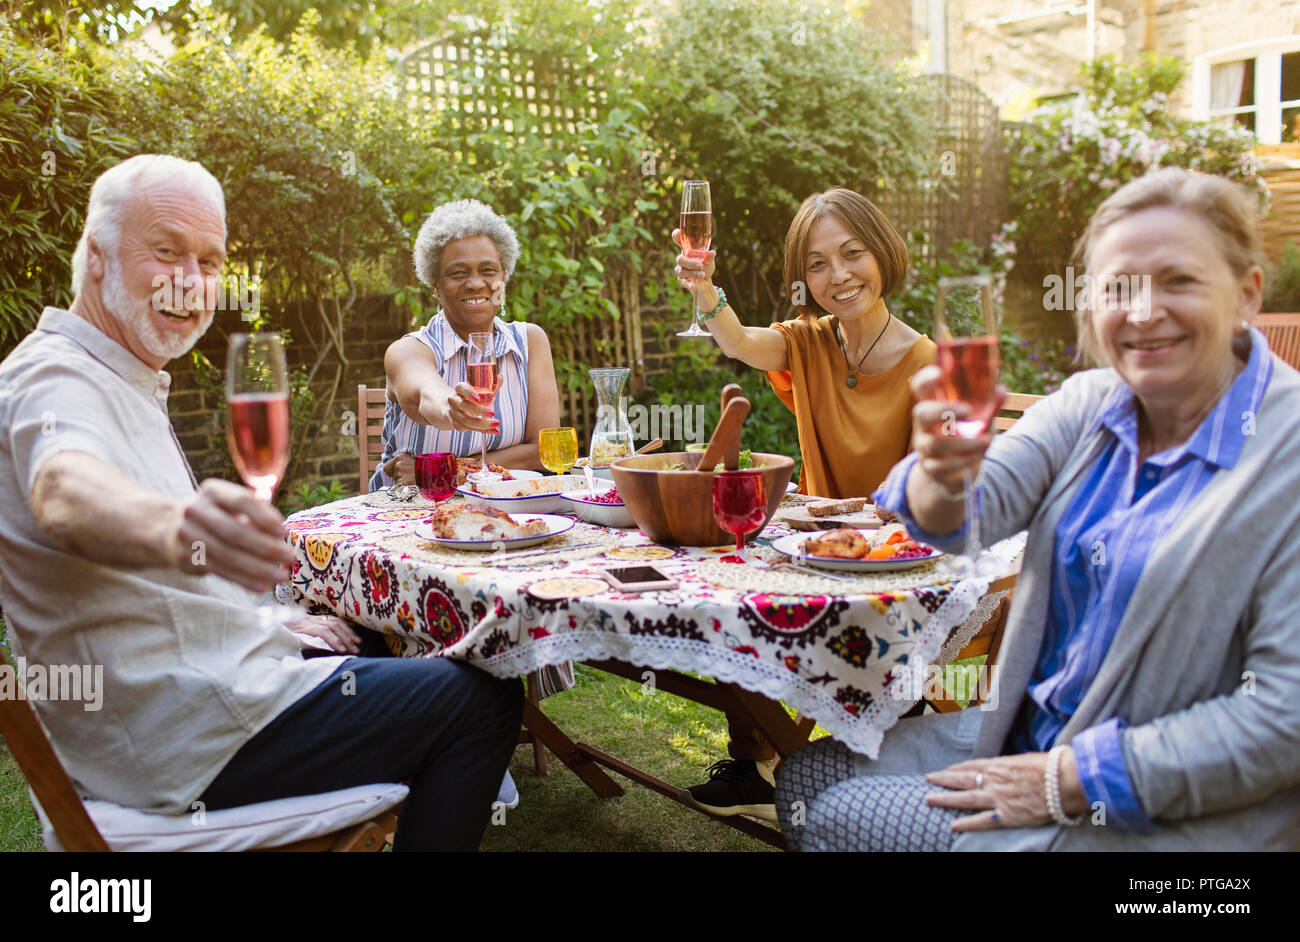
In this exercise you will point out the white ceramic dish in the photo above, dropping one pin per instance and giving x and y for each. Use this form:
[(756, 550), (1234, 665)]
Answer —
[(790, 546), (602, 515), (521, 474), (555, 526), (540, 495)]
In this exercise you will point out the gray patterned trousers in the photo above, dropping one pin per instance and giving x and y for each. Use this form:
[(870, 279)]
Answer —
[(825, 802)]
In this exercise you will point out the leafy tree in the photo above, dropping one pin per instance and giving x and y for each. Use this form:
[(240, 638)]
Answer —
[(56, 136), (1071, 156)]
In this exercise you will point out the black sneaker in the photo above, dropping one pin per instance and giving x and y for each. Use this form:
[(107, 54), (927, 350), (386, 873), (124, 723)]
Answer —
[(735, 786)]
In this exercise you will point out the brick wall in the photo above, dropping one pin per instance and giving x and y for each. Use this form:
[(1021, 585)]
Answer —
[(328, 452)]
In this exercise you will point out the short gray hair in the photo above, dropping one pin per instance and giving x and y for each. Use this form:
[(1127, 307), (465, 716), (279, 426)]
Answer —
[(462, 219), (116, 186)]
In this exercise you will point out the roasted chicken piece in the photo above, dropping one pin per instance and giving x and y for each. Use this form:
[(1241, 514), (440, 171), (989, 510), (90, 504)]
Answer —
[(841, 544)]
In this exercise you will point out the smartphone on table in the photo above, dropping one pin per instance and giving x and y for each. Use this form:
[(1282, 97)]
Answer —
[(637, 578)]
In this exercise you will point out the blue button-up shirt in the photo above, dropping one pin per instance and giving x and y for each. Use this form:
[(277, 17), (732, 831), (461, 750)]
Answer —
[(1103, 541)]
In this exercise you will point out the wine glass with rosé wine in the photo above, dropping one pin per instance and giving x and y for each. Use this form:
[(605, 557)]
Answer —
[(696, 226), (739, 504), (257, 410), (966, 331), (481, 373)]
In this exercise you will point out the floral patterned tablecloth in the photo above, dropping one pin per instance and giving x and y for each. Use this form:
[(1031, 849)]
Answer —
[(848, 660)]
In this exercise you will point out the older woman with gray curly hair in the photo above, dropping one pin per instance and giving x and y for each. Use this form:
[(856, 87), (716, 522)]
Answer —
[(466, 254)]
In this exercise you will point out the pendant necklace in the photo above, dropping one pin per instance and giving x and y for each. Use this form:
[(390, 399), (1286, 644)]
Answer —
[(844, 349)]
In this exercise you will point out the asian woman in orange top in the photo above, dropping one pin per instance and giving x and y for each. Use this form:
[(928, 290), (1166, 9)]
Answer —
[(844, 368)]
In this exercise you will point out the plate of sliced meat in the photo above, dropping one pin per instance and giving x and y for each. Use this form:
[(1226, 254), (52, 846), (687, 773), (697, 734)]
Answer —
[(478, 527), (889, 548)]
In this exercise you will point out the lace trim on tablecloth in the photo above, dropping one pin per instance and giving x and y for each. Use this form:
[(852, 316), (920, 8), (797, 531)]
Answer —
[(408, 544), (862, 733), (963, 633)]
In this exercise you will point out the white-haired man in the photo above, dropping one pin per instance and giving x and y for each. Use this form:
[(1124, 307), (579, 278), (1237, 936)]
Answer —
[(113, 556)]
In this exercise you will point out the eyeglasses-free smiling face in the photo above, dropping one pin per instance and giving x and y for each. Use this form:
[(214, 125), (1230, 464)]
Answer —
[(1180, 350), (471, 282), (842, 274), (166, 231)]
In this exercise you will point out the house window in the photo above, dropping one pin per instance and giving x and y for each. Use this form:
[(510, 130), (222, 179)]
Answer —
[(1255, 85)]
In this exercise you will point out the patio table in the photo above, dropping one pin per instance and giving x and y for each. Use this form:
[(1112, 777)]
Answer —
[(844, 653)]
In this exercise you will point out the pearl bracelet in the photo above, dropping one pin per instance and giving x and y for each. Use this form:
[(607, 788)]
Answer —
[(1052, 789)]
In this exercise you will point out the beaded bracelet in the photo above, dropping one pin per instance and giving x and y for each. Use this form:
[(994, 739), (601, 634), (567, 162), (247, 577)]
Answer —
[(722, 302), (1052, 789)]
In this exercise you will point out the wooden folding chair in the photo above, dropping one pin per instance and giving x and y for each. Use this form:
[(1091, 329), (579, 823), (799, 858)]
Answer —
[(988, 639), (1282, 331), (370, 427), (76, 831)]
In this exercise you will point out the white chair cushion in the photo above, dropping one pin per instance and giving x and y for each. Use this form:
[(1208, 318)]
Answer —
[(250, 827)]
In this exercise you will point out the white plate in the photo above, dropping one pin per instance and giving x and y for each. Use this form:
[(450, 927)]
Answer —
[(540, 495), (789, 545), (524, 475), (556, 526)]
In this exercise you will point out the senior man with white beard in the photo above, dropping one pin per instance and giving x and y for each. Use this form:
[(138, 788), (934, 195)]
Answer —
[(206, 698)]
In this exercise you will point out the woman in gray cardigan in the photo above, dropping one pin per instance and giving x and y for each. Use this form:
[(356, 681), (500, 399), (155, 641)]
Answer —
[(1149, 681)]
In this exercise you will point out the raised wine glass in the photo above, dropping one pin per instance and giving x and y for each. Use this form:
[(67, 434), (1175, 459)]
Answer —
[(435, 475), (558, 448), (966, 330), (257, 410), (697, 233), (739, 503), (482, 375)]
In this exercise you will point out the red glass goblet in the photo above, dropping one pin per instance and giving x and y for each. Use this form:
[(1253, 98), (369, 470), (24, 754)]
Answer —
[(739, 503), (435, 475)]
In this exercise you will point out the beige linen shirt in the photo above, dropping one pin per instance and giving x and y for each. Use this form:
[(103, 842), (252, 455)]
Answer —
[(191, 668)]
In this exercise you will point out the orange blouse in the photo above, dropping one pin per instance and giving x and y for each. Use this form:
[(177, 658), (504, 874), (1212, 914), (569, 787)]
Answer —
[(849, 437)]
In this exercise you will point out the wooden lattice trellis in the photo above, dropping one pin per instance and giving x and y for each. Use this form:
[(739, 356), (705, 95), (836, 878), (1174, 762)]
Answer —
[(966, 195)]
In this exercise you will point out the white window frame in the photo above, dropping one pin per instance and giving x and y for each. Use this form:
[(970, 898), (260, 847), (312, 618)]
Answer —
[(1268, 106)]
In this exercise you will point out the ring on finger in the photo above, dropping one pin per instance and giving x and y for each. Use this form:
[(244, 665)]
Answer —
[(997, 818), (979, 779)]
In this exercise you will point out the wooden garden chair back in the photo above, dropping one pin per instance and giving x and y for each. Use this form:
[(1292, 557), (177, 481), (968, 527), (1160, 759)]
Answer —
[(370, 427), (1015, 405), (1283, 334), (66, 813)]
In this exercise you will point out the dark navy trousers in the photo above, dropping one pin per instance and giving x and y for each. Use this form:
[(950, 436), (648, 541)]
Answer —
[(444, 727)]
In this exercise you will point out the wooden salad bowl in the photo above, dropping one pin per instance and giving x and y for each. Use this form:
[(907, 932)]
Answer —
[(676, 507)]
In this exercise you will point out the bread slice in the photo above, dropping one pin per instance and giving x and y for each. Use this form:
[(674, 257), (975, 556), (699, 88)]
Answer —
[(826, 508), (477, 522)]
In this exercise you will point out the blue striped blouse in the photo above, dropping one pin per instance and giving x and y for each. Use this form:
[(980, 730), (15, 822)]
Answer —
[(1111, 528), (402, 433)]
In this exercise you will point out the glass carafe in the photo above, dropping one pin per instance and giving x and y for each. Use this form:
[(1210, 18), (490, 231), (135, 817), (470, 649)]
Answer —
[(611, 439)]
